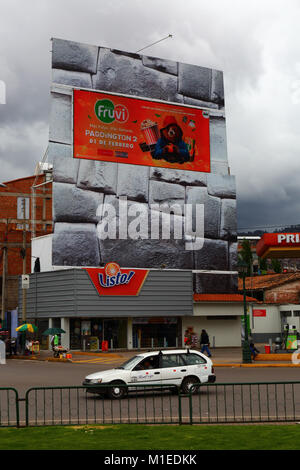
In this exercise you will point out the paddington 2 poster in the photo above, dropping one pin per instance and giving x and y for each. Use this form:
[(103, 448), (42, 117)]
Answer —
[(116, 128)]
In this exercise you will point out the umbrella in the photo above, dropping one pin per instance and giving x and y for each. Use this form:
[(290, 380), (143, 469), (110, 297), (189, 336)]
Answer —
[(53, 331), (27, 327)]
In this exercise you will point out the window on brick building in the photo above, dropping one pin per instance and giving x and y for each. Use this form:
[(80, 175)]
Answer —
[(23, 205)]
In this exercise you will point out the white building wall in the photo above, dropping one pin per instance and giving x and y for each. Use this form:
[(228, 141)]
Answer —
[(271, 323), (41, 247), (223, 332)]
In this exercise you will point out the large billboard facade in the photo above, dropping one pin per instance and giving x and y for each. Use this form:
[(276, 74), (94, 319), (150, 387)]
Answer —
[(141, 174)]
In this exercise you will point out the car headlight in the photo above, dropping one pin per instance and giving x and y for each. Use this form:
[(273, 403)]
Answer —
[(96, 381)]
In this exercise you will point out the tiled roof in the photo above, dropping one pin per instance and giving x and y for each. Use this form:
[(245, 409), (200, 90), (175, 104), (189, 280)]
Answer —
[(222, 298), (268, 281)]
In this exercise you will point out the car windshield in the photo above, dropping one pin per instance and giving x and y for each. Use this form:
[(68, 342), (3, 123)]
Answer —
[(130, 363)]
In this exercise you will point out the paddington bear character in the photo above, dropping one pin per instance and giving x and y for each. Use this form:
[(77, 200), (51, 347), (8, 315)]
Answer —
[(171, 146)]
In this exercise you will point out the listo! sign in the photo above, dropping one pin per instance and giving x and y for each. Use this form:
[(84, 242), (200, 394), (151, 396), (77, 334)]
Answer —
[(116, 128), (112, 280)]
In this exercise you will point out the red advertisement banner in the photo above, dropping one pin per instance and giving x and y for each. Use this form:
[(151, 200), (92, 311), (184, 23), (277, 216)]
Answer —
[(113, 280), (115, 128)]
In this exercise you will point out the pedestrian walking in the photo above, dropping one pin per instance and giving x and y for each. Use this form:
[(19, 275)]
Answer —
[(204, 343), (187, 338)]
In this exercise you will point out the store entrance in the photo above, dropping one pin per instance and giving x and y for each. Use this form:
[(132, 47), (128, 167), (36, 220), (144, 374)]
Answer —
[(156, 332), (115, 333)]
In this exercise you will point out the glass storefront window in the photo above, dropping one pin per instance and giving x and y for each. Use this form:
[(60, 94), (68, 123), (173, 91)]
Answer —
[(42, 325), (156, 332), (75, 334), (88, 334)]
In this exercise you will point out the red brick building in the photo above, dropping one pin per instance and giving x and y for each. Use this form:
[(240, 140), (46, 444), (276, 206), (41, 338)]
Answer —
[(24, 212), (281, 288)]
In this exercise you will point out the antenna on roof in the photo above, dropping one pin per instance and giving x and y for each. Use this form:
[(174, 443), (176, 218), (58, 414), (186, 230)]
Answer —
[(160, 40)]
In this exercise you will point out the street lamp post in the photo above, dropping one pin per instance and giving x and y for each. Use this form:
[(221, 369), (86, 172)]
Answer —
[(245, 345)]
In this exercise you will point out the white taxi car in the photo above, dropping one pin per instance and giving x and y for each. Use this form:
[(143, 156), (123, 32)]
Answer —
[(182, 367)]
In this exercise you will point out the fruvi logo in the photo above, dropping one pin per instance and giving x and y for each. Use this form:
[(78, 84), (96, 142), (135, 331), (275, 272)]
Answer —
[(2, 92), (107, 112)]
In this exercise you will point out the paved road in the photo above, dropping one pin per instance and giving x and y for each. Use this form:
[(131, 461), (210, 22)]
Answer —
[(74, 406), (22, 374)]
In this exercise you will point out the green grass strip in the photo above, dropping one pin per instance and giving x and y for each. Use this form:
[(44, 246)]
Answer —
[(140, 437)]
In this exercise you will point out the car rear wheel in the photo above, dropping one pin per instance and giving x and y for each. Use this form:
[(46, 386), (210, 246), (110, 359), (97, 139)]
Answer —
[(117, 390), (187, 385)]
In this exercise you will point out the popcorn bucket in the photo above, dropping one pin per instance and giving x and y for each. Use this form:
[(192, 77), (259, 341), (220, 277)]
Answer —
[(150, 131)]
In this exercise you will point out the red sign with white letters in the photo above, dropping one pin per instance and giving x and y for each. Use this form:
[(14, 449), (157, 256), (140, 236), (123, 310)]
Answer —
[(113, 280), (259, 312), (279, 245)]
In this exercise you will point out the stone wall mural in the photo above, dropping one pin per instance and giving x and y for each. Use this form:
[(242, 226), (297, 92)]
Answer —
[(83, 189)]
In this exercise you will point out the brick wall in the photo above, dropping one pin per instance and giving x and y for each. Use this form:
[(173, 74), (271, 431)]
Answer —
[(11, 232), (284, 294)]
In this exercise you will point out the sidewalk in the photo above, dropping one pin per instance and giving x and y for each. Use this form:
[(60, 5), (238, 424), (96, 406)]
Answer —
[(221, 357)]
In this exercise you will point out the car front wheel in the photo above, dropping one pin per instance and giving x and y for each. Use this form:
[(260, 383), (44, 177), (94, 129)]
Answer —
[(117, 390), (187, 384)]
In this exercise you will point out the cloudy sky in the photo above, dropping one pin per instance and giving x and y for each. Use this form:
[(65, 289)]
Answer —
[(255, 43)]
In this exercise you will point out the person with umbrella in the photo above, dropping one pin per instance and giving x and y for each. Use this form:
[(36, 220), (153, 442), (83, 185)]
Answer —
[(23, 328), (54, 341)]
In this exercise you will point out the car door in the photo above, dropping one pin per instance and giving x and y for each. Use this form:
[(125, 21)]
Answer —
[(196, 365), (172, 369), (146, 372)]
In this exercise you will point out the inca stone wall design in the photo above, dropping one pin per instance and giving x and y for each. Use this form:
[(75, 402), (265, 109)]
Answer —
[(81, 187)]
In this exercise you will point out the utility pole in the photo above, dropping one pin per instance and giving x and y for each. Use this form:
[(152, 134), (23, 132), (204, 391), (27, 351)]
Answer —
[(4, 257), (24, 261)]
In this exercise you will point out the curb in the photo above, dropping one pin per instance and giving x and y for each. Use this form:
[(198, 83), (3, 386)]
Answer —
[(96, 354), (274, 357), (27, 358)]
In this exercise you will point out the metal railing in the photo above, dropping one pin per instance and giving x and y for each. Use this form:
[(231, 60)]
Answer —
[(208, 403), (245, 402), (73, 405), (9, 407)]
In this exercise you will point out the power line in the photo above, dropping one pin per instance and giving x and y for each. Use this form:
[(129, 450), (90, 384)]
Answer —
[(269, 226)]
